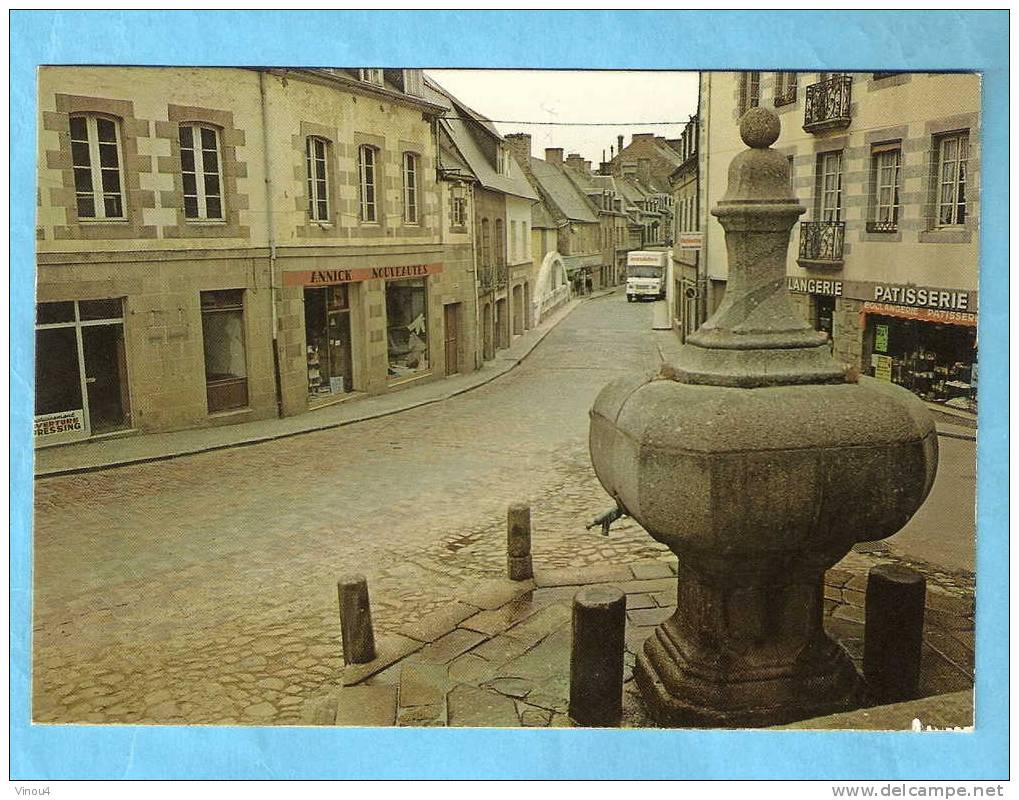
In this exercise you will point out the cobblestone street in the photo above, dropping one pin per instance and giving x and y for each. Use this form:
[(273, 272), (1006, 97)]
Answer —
[(202, 589)]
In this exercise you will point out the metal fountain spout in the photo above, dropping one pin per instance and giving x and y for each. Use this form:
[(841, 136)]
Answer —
[(759, 461)]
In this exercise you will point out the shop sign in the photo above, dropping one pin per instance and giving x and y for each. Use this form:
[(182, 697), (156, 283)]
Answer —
[(920, 297), (326, 277), (61, 422), (814, 286), (881, 338), (920, 314), (692, 240), (882, 367)]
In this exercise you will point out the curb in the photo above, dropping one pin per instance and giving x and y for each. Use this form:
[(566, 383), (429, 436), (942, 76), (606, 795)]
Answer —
[(504, 366)]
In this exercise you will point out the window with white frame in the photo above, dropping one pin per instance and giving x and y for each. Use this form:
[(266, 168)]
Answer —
[(318, 179), (96, 160), (458, 207), (952, 152), (885, 161), (366, 167), (373, 76), (829, 175), (410, 188), (200, 172)]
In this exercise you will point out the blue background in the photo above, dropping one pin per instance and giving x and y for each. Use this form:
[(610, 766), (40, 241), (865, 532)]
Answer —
[(804, 40)]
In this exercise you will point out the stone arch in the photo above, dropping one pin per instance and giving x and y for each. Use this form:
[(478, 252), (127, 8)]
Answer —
[(551, 287)]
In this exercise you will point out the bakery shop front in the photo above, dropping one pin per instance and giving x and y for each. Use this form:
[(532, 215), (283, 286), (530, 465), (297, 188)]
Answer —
[(925, 339)]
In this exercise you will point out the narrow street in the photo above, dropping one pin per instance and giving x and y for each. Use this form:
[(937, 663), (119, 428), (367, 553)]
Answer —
[(202, 589)]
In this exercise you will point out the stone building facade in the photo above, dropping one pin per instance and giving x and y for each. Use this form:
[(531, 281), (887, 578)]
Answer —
[(885, 259), (687, 289), (224, 245)]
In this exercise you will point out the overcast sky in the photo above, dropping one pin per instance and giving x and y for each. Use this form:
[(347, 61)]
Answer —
[(633, 98)]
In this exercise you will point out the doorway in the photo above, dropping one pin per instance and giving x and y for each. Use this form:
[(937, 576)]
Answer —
[(451, 328), (81, 386), (327, 336)]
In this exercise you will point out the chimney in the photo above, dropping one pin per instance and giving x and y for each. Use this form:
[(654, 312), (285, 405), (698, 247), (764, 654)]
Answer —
[(605, 168), (602, 156), (554, 155), (587, 167), (619, 141), (574, 160), (520, 145), (612, 151)]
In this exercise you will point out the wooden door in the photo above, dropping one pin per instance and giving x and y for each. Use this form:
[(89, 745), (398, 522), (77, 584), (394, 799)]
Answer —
[(451, 328)]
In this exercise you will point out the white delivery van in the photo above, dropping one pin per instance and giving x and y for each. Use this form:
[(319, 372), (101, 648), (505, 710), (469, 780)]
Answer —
[(646, 272)]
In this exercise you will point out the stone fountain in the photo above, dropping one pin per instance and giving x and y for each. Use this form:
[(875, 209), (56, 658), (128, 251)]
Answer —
[(759, 461)]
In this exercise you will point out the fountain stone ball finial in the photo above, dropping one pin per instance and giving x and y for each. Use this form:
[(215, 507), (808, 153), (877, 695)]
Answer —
[(759, 128)]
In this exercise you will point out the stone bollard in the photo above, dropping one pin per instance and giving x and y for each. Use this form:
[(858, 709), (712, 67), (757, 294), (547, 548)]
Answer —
[(356, 620), (596, 657), (893, 632), (518, 542)]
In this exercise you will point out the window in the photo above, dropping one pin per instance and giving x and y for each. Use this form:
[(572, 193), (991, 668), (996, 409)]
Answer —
[(410, 188), (457, 208), (486, 244), (785, 88), (952, 153), (318, 191), (96, 159), (513, 242), (749, 91), (407, 327), (885, 161), (366, 157), (829, 180), (500, 243), (226, 372), (200, 173), (373, 76)]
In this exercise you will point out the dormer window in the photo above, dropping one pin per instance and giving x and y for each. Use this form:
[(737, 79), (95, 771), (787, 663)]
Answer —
[(372, 76)]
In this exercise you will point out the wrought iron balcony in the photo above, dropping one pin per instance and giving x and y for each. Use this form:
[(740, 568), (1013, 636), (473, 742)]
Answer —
[(821, 244), (485, 275), (501, 276), (827, 104)]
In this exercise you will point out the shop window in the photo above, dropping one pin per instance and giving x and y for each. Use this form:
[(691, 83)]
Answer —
[(315, 158), (327, 334), (96, 161), (367, 156), (749, 91), (952, 154), (410, 188), (226, 372), (885, 162), (80, 370), (937, 362), (200, 171), (407, 327)]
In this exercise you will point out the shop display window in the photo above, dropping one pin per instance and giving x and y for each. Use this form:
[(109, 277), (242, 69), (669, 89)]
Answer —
[(226, 372), (327, 337), (936, 362), (407, 327)]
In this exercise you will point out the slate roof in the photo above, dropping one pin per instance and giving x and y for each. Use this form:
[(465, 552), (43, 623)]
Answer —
[(461, 125), (570, 201)]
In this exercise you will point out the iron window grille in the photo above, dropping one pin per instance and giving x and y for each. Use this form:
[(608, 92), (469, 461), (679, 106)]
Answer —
[(827, 104), (822, 242)]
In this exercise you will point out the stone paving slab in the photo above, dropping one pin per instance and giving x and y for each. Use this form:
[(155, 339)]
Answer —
[(515, 671)]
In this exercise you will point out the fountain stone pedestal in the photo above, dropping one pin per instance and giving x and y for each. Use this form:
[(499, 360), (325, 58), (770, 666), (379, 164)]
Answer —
[(759, 461)]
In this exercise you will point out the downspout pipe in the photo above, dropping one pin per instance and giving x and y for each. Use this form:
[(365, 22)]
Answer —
[(271, 236)]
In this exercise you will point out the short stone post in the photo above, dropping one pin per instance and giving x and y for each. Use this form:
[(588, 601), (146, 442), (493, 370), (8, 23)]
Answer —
[(893, 632), (518, 542), (356, 620), (596, 657)]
